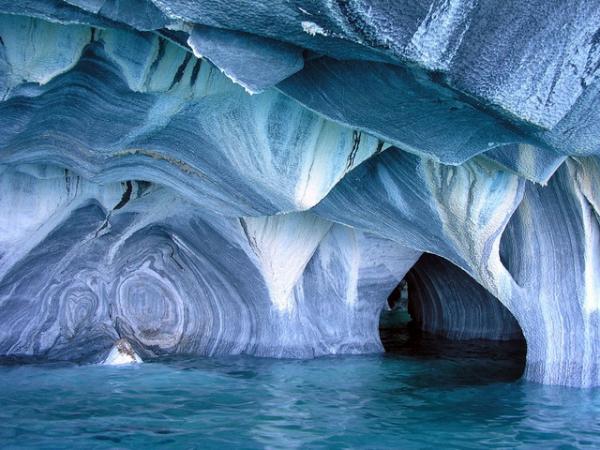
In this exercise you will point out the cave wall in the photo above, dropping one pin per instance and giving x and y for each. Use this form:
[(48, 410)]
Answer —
[(224, 177), (136, 261), (551, 248)]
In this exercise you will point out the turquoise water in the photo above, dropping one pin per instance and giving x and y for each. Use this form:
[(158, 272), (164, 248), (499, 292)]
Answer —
[(464, 396)]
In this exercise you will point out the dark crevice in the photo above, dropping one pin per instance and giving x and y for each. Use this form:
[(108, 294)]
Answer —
[(124, 200), (177, 37), (103, 227), (195, 71), (126, 196), (356, 135), (161, 52), (251, 239), (181, 70)]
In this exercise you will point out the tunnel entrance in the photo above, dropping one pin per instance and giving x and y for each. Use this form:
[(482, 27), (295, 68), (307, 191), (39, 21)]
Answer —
[(439, 312)]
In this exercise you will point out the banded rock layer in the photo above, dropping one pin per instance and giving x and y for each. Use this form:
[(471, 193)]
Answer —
[(223, 177)]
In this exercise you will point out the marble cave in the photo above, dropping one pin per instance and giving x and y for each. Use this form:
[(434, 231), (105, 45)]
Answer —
[(237, 177)]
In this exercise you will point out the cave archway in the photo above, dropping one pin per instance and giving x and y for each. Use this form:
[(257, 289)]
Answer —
[(439, 311)]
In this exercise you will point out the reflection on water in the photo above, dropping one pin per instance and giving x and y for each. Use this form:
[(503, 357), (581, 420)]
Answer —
[(469, 362), (447, 396)]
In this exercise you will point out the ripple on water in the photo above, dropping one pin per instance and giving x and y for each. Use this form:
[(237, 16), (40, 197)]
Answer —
[(376, 401)]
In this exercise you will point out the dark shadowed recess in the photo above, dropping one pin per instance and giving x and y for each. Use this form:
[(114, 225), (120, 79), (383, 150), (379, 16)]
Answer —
[(438, 313)]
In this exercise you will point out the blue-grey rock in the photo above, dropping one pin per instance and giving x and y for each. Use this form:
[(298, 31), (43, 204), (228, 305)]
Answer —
[(97, 263), (544, 255), (146, 196), (181, 123), (400, 106), (254, 62), (526, 59), (551, 248), (457, 212), (54, 11), (533, 163), (139, 14)]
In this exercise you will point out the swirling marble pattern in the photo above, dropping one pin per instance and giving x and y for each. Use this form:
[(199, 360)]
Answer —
[(531, 261), (346, 285), (146, 195), (530, 77), (455, 212), (202, 126), (555, 262), (153, 270), (400, 106)]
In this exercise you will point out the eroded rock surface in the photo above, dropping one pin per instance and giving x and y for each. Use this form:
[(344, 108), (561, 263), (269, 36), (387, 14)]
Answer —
[(224, 177)]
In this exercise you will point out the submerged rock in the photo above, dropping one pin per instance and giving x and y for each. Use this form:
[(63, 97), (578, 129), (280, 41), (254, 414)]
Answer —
[(121, 353)]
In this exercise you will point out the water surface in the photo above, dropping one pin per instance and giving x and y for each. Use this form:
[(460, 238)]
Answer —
[(465, 398)]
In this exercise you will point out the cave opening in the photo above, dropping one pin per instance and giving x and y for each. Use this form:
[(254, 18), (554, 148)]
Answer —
[(439, 313)]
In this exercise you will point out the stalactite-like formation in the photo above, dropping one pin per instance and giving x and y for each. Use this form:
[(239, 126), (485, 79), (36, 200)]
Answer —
[(222, 177)]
